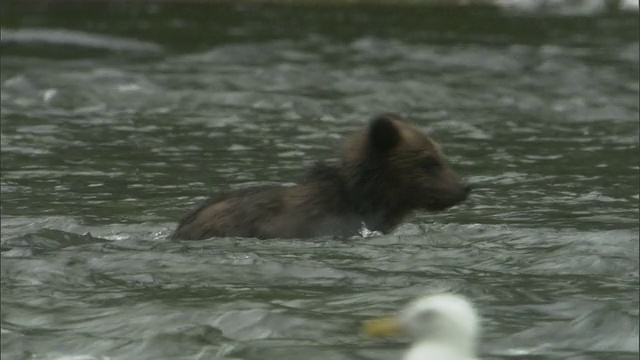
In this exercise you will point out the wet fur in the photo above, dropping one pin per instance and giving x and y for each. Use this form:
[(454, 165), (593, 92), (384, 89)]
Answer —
[(381, 179)]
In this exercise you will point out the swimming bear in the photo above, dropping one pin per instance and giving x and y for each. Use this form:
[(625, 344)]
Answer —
[(387, 170)]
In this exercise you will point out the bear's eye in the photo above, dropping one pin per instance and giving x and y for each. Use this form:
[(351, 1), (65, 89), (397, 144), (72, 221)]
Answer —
[(431, 164)]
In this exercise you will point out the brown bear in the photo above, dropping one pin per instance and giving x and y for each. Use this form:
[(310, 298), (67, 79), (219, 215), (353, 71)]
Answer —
[(387, 170)]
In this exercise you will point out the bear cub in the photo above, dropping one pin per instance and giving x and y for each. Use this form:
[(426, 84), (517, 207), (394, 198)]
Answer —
[(387, 171)]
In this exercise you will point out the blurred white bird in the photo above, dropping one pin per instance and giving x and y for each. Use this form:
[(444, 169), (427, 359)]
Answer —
[(442, 326)]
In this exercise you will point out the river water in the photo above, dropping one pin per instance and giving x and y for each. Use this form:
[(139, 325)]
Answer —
[(116, 119)]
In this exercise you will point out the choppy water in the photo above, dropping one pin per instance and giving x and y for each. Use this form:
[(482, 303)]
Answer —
[(116, 120)]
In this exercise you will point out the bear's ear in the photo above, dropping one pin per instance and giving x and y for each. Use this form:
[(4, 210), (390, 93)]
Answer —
[(383, 133)]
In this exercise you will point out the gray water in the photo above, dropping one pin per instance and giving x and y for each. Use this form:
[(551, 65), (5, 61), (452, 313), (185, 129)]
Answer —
[(118, 119)]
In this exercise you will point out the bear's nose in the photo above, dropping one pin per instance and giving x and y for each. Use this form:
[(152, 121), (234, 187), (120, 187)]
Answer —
[(467, 188)]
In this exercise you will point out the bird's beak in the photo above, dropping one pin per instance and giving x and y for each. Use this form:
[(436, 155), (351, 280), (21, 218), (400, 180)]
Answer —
[(381, 327)]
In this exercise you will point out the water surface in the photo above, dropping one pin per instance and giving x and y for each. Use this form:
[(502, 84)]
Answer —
[(116, 120)]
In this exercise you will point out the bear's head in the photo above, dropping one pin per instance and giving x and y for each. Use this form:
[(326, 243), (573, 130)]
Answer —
[(396, 166)]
